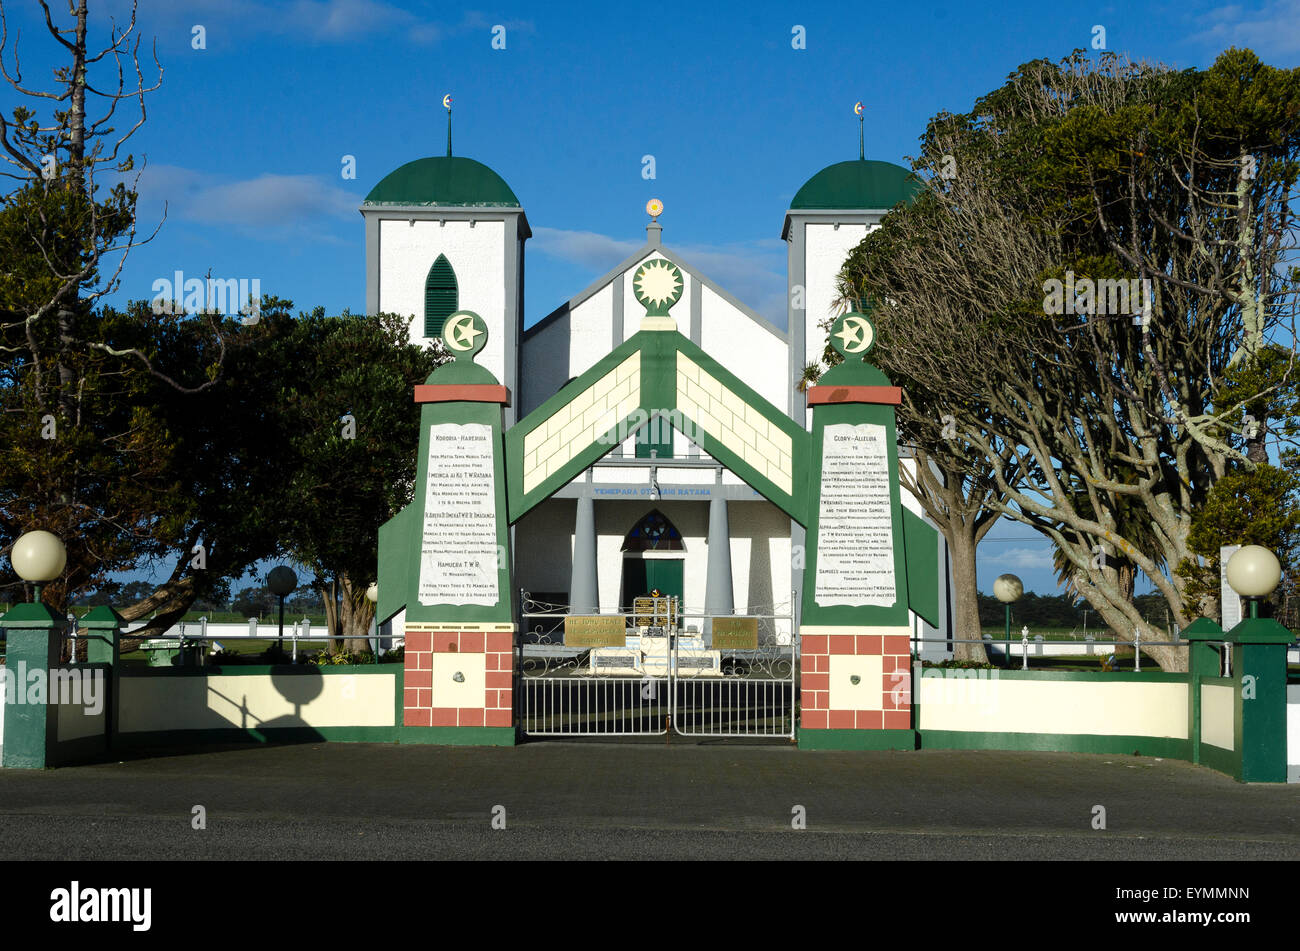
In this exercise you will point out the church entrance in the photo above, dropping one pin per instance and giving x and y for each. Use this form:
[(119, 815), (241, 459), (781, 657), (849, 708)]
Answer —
[(654, 560)]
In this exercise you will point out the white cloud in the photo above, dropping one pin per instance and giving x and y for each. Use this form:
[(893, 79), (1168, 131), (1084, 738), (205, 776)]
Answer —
[(322, 21), (267, 203), (1025, 559), (751, 271), (1273, 29)]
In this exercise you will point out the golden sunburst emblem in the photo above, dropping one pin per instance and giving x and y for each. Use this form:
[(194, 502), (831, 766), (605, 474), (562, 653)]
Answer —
[(657, 285)]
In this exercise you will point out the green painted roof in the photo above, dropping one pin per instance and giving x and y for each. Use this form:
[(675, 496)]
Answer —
[(443, 180), (859, 183)]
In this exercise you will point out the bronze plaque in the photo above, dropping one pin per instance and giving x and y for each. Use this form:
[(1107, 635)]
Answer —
[(594, 630), (654, 612), (735, 633)]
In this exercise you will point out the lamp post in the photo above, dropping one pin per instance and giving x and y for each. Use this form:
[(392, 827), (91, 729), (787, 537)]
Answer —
[(1008, 588), (1254, 572), (38, 557), (30, 729), (281, 580)]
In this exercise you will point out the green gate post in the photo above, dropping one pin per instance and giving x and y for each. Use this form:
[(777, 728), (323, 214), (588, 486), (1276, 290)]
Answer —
[(103, 647), (31, 729), (1203, 661), (1259, 648)]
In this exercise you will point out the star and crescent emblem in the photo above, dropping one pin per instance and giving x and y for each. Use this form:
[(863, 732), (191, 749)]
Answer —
[(852, 334), (462, 333)]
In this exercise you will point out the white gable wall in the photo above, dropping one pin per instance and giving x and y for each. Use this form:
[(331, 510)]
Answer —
[(745, 348)]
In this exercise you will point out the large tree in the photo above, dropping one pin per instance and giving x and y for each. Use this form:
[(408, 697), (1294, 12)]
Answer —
[(1082, 171)]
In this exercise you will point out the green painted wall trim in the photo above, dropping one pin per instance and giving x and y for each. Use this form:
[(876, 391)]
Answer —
[(80, 750), (457, 735), (331, 734), (261, 670), (1163, 746), (857, 739), (1221, 760), (1097, 676)]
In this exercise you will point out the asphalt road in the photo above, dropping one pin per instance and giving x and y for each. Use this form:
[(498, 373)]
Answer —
[(638, 800)]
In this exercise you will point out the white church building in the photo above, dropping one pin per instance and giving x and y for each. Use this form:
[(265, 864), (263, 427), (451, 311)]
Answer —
[(447, 233)]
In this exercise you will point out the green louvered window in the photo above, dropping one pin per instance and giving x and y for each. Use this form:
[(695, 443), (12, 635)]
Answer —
[(441, 296)]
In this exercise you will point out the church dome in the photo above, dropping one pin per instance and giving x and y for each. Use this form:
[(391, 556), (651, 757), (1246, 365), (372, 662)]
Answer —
[(858, 184), (449, 180)]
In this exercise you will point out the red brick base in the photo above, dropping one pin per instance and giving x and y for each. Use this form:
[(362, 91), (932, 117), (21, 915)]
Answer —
[(418, 704), (896, 698)]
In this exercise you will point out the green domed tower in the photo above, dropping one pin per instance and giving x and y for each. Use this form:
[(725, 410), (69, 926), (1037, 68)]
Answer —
[(828, 217), (446, 233)]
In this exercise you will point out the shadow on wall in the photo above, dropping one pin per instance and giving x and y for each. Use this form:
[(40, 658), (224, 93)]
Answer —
[(298, 686)]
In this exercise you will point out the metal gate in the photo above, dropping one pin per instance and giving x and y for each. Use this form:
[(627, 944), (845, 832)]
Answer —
[(728, 677)]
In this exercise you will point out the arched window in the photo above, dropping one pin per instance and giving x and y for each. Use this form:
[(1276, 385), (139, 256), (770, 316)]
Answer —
[(441, 296), (654, 533)]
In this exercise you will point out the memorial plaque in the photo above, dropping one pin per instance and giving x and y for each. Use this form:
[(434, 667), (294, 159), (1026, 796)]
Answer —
[(458, 552), (654, 612), (735, 633), (855, 529), (594, 630)]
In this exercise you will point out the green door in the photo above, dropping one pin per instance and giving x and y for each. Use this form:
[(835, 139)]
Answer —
[(643, 575)]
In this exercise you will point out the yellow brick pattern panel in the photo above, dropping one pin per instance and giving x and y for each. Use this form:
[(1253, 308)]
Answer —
[(734, 423), (582, 420)]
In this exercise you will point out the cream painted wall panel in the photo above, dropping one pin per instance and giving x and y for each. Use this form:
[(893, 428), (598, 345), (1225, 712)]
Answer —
[(406, 252), (592, 337), (868, 693), (747, 349), (1218, 715), (253, 701), (983, 704), (468, 691), (75, 722)]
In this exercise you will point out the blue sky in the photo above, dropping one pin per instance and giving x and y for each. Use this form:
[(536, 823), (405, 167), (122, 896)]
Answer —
[(246, 138)]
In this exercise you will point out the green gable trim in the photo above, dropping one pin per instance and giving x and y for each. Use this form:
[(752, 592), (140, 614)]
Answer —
[(658, 394), (858, 184), (441, 296), (794, 503), (453, 181), (520, 502)]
